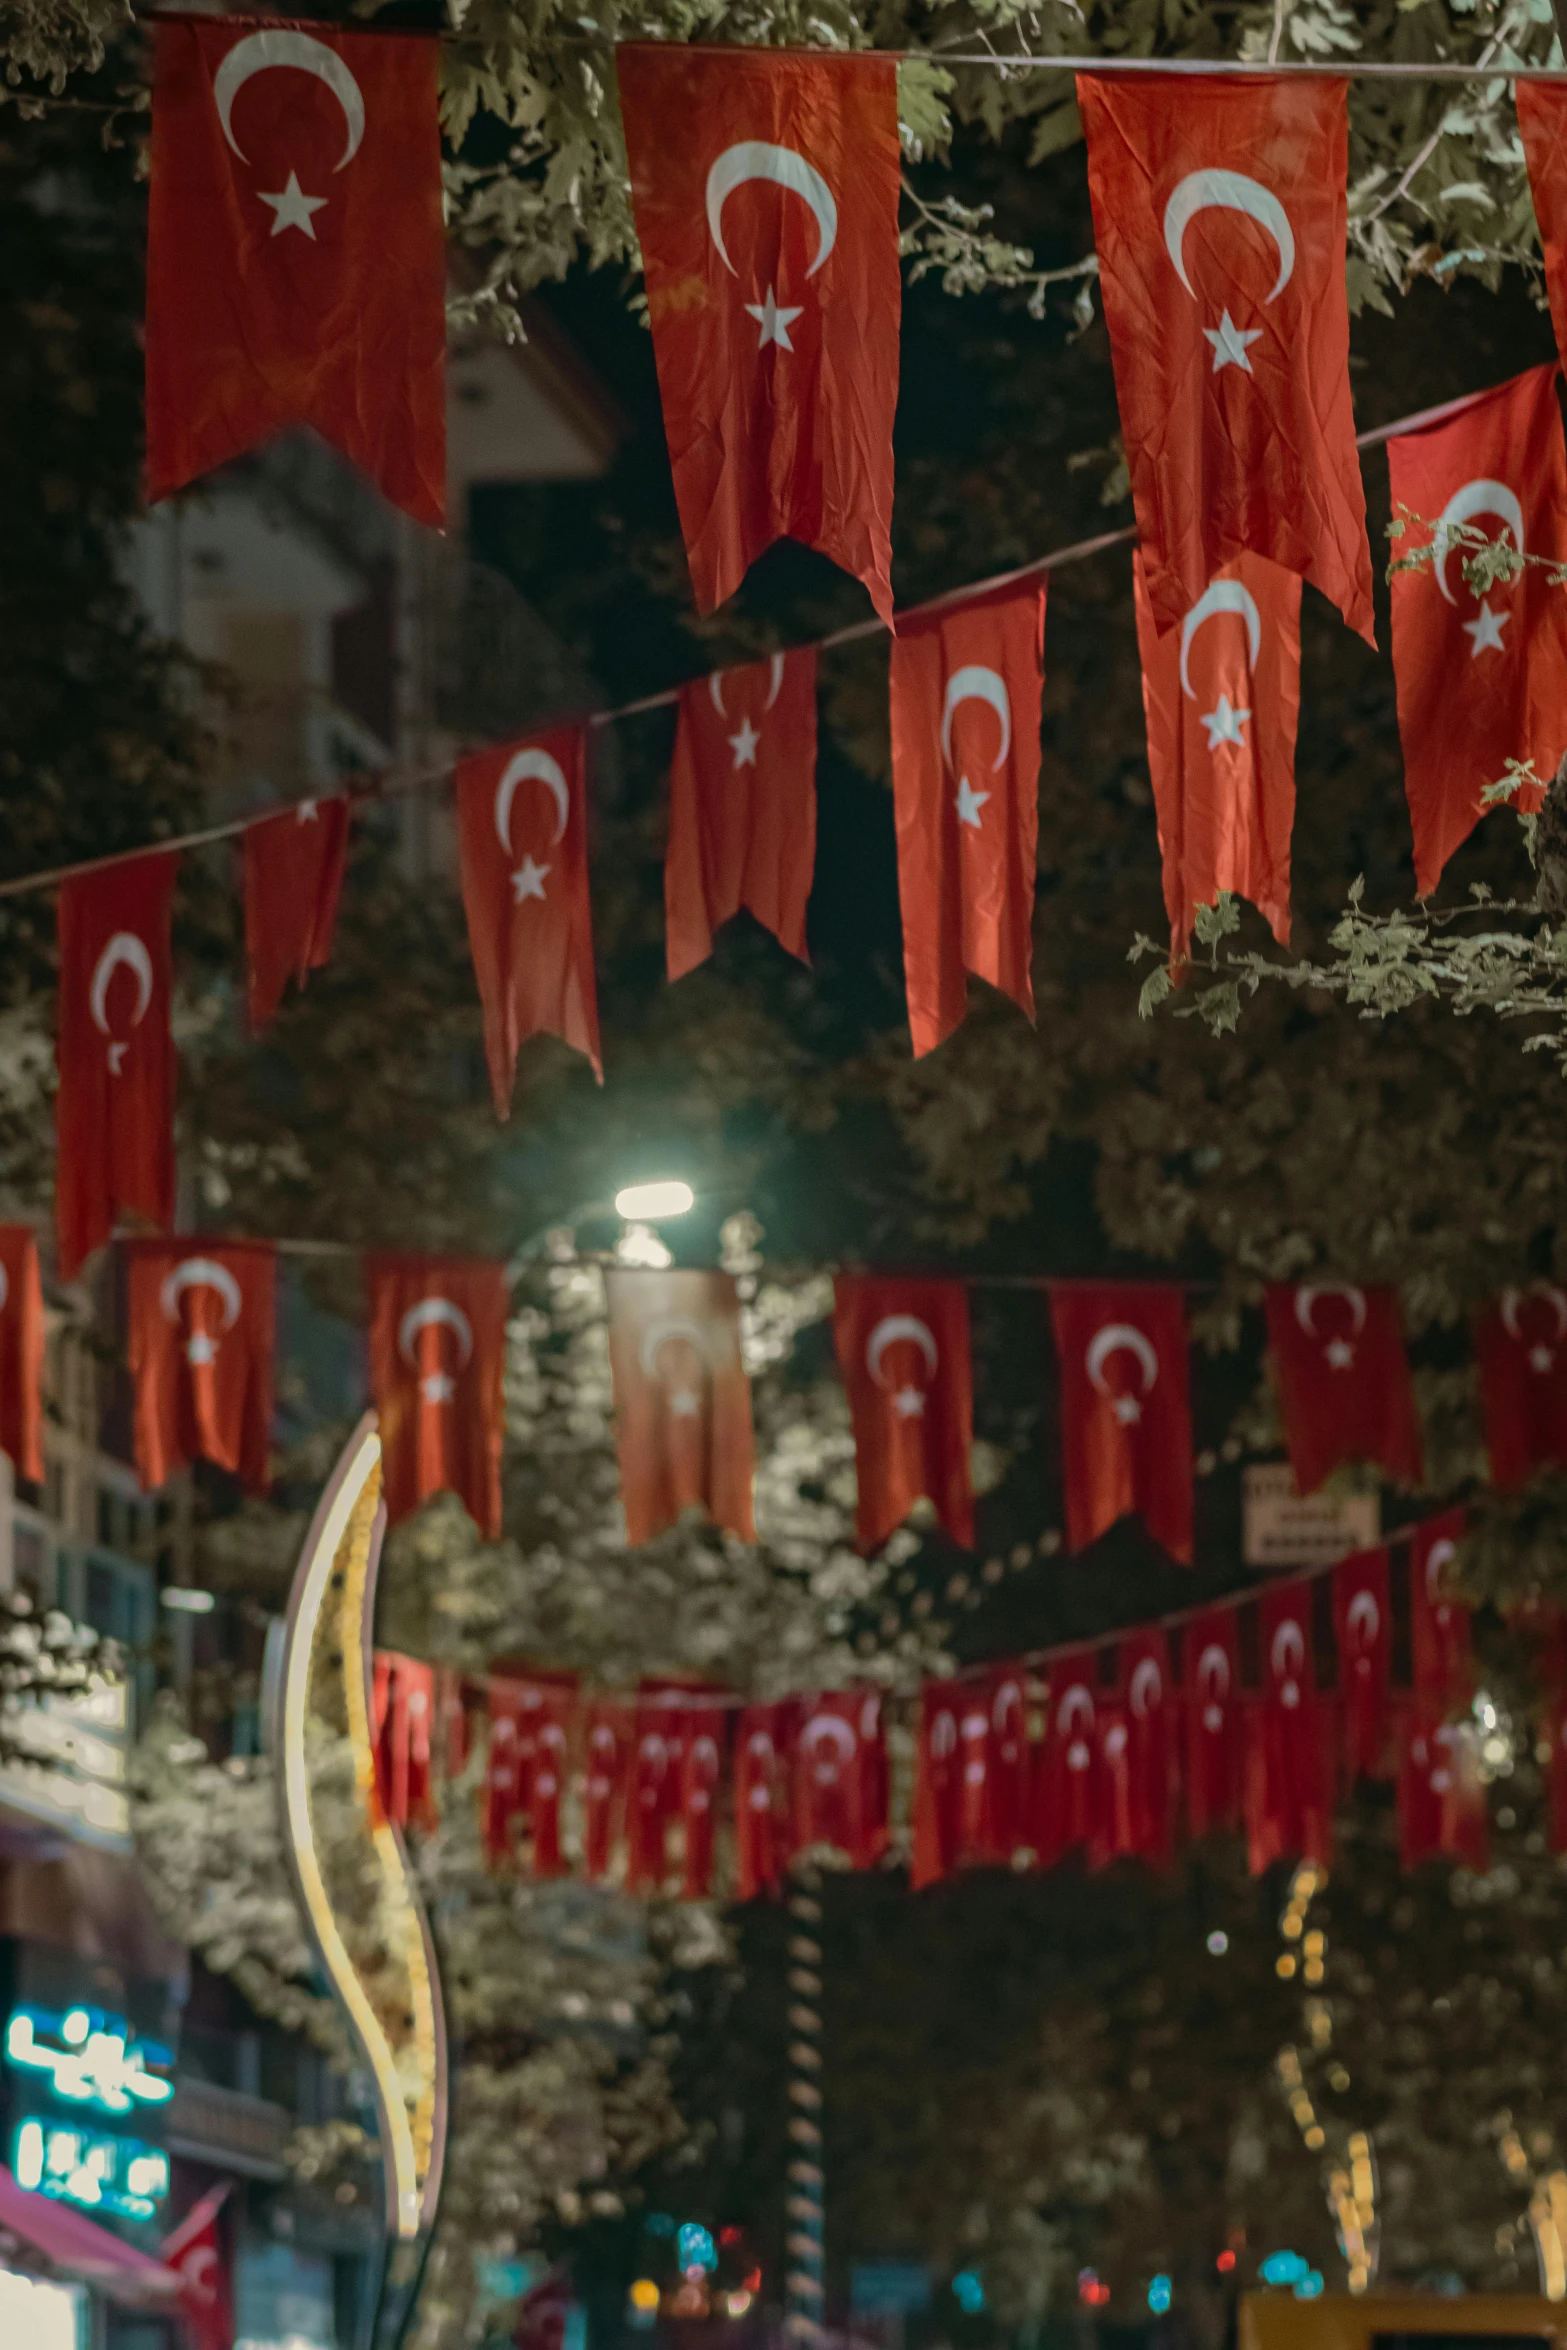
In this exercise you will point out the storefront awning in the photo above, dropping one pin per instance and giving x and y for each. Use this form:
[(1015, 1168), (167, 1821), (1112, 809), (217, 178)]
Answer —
[(55, 2241)]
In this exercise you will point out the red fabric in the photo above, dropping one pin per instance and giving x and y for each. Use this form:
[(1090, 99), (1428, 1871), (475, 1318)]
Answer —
[(1363, 1629), (1521, 1357), (203, 1322), (701, 1774), (1542, 124), (1553, 1725), (903, 1356), (1008, 1767), (196, 2252), (1233, 387), (742, 806), (503, 1799), (682, 1400), (1069, 1795), (1114, 1834), (1152, 1766), (1441, 1798), (437, 1357), (21, 1351), (1126, 1427), (938, 1783), (604, 1784), (774, 312), (1221, 701), (451, 1723), (840, 1775), (764, 1741), (294, 865), (330, 311), (1344, 1389), (402, 1711), (1481, 679), (522, 834), (530, 1725), (1438, 1622), (655, 1784), (1211, 1657), (114, 1114), (971, 1790), (967, 683), (1289, 1789)]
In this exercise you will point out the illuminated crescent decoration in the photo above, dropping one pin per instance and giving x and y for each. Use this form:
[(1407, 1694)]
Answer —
[(1512, 1299), (530, 767), (1117, 1338), (943, 1736), (661, 1333), (888, 1331), (1476, 497), (829, 1730), (1220, 595), (1306, 1303), (201, 1273), (715, 687), (1147, 1687), (1364, 1618), (1236, 193), (392, 1996), (431, 1313), (1075, 1712), (1288, 1652), (754, 159), (127, 949), (259, 52), (977, 684)]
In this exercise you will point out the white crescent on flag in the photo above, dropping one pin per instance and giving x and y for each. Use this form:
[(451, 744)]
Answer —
[(1118, 1338), (200, 1273), (282, 45), (1512, 1299), (433, 1313), (1476, 497), (1147, 1687), (755, 159), (1233, 190), (1363, 1617), (715, 686), (661, 1332), (888, 1331), (124, 949), (1306, 1303), (977, 684), (1220, 595), (530, 767)]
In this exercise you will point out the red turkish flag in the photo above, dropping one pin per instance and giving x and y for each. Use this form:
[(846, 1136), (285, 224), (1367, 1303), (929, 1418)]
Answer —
[(655, 1783), (765, 186), (1152, 1766), (1441, 1797), (971, 1774), (1438, 1621), (903, 1356), (1069, 1789), (938, 1783), (437, 1357), (523, 837), (1343, 1379), (840, 1775), (294, 865), (401, 1714), (1521, 1355), (1289, 1787), (1211, 1661), (1221, 701), (966, 686), (1009, 1763), (296, 253), (764, 1743), (530, 1725), (1220, 219), (1481, 679), (682, 1400), (1542, 125), (608, 1754), (21, 1351), (203, 1321), (701, 1773), (1126, 1426), (196, 2252), (502, 1800), (1363, 1629), (114, 1114), (742, 806)]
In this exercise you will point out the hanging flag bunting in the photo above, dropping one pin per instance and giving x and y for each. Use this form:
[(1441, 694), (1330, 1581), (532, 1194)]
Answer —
[(765, 187), (1126, 1429), (1211, 1652), (1220, 220), (294, 866), (840, 1775), (971, 1790), (1439, 1621), (764, 1742), (523, 838), (21, 1352), (655, 1783), (903, 1356), (114, 1113), (608, 1748), (1521, 1356), (1363, 1629), (1221, 701), (296, 252), (742, 806), (966, 688), (1152, 1770), (1481, 679), (401, 1719), (682, 1400), (1441, 1797), (700, 1774), (437, 1357), (198, 2255), (1009, 1756), (1289, 1806), (1069, 1796), (202, 1319), (1343, 1380), (941, 1759), (1542, 125)]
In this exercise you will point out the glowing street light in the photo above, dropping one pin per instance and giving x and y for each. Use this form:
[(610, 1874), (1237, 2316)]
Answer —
[(651, 1203)]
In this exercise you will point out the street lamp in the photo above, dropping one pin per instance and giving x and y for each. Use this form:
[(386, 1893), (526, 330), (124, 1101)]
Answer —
[(651, 1203)]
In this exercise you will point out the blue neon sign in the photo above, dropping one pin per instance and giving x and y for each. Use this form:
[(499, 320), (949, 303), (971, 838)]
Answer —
[(96, 2170), (88, 2059)]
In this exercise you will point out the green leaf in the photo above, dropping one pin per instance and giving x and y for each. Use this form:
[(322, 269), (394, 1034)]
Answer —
[(1154, 989)]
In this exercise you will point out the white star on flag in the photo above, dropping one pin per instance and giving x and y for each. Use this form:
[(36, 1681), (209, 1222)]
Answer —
[(1231, 343), (307, 811), (1485, 631), (200, 1349), (1340, 1354), (773, 321), (744, 745), (969, 803), (909, 1404), (292, 209), (436, 1387), (1127, 1409), (528, 881), (1224, 724)]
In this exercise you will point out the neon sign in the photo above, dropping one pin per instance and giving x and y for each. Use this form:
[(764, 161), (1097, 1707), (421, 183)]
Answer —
[(90, 2059), (94, 2169)]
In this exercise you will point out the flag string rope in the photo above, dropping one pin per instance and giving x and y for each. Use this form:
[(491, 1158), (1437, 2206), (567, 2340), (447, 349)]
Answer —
[(394, 787)]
